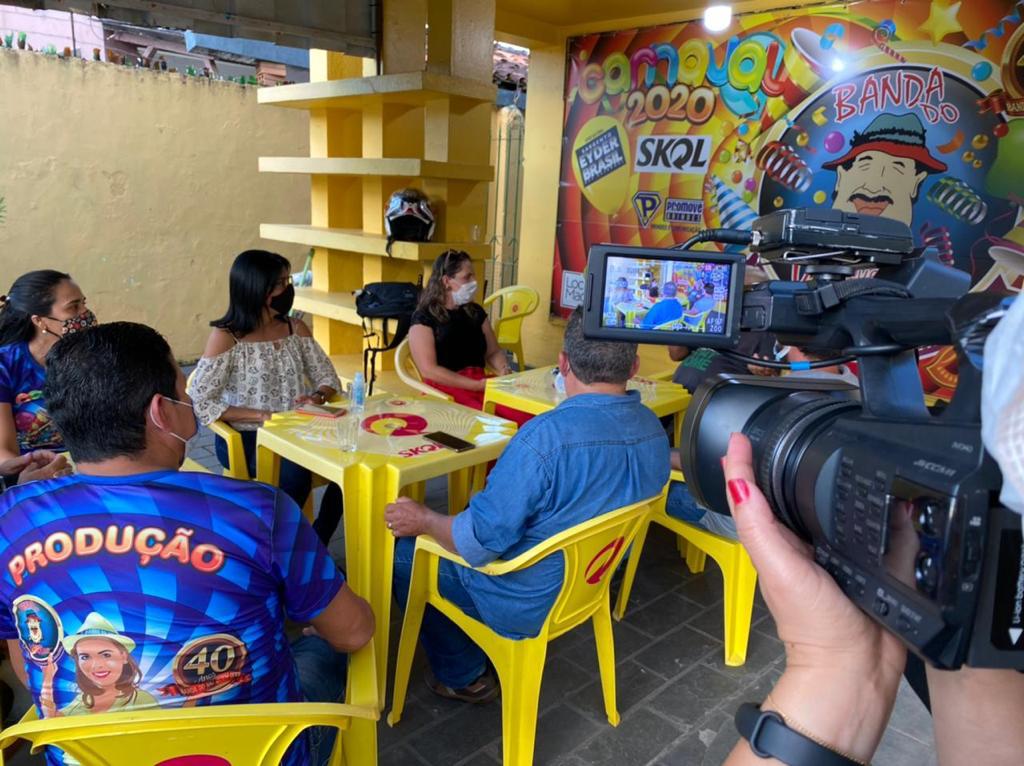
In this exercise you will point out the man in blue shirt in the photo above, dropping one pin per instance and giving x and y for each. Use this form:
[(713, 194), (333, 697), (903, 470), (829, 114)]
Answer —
[(700, 307), (132, 585), (666, 310), (597, 451)]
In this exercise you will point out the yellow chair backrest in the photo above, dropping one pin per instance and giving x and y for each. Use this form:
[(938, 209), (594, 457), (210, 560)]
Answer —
[(517, 303), (592, 552), (217, 735), (409, 374), (237, 467)]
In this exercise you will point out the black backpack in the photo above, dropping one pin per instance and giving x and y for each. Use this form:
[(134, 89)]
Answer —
[(391, 302)]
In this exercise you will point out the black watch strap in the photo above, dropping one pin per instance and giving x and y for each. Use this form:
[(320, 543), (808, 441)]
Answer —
[(770, 737)]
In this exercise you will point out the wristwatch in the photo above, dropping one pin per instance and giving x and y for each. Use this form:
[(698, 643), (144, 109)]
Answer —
[(770, 737)]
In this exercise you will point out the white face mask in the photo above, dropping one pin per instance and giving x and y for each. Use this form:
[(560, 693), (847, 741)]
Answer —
[(464, 294)]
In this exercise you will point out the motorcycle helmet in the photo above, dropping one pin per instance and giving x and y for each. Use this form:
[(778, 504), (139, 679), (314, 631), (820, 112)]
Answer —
[(408, 217)]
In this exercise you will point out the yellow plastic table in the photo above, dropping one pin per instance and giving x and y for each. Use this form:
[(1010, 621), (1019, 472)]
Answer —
[(391, 454), (533, 391)]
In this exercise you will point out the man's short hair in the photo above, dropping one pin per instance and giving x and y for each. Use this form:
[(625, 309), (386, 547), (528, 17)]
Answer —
[(669, 287), (99, 383), (596, 361), (709, 288)]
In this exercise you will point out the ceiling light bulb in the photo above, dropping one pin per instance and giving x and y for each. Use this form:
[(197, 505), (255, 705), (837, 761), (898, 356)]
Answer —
[(717, 17)]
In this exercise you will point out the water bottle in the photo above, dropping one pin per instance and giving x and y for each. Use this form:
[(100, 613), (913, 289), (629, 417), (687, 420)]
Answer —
[(357, 398)]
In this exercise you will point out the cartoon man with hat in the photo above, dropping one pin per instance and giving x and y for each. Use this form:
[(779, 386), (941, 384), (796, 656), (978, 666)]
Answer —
[(107, 675), (882, 172)]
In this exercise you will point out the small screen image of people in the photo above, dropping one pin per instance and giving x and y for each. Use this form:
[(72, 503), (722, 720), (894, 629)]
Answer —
[(673, 296)]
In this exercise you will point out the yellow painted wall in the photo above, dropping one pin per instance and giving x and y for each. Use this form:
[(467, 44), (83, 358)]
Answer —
[(142, 185)]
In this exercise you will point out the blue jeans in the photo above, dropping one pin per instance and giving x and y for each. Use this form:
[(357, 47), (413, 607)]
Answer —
[(322, 674), (455, 659), (296, 482), (680, 505)]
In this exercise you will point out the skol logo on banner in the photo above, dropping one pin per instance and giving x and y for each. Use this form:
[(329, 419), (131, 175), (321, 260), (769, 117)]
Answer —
[(672, 154)]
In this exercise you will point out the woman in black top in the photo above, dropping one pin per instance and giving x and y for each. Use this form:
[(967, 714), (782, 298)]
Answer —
[(451, 338)]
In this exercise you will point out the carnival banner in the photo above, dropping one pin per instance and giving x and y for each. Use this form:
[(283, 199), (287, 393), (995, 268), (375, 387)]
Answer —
[(900, 109)]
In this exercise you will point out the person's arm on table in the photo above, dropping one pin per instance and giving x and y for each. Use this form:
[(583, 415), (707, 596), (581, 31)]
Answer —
[(496, 358), (496, 517), (842, 669), (318, 368), (424, 353)]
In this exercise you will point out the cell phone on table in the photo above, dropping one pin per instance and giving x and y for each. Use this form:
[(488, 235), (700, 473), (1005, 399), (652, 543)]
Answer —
[(449, 441), (320, 410)]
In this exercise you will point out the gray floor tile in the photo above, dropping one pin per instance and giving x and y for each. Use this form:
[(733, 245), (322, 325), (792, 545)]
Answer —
[(634, 683), (691, 697), (559, 731), (674, 653), (662, 614), (640, 738)]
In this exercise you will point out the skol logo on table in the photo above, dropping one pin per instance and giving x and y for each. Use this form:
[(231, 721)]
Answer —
[(673, 154), (646, 205)]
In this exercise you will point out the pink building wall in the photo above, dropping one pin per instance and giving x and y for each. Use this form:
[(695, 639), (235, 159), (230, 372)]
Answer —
[(52, 28)]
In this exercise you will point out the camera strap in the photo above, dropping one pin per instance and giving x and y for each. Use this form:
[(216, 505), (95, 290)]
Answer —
[(770, 737), (820, 300)]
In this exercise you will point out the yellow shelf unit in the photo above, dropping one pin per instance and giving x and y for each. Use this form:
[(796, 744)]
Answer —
[(370, 137), (358, 241), (409, 88), (408, 167)]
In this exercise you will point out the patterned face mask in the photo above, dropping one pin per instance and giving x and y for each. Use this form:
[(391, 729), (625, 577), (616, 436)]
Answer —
[(78, 323)]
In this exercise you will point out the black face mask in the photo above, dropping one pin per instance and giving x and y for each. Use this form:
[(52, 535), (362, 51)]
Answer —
[(282, 303)]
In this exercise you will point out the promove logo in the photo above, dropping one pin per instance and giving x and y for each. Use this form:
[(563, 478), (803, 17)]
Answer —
[(673, 154)]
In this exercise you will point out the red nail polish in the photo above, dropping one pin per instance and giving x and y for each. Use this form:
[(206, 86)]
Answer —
[(739, 491)]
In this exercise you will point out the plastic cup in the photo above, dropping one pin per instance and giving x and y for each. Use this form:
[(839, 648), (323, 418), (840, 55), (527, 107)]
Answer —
[(347, 431)]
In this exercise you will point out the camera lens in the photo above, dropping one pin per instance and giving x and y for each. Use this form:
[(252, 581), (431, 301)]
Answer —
[(782, 419)]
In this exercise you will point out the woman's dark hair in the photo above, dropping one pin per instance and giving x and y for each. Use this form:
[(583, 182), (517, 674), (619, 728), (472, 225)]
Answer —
[(253, 276), (126, 685), (432, 300), (99, 383), (31, 294)]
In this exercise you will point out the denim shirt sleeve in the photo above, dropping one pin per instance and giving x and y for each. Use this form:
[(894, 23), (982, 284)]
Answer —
[(497, 517)]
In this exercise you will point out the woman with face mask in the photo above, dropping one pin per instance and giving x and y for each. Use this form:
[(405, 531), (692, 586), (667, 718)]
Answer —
[(451, 338), (40, 308), (258, 361)]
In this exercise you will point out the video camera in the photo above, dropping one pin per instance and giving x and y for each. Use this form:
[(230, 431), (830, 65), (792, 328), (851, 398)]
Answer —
[(901, 505)]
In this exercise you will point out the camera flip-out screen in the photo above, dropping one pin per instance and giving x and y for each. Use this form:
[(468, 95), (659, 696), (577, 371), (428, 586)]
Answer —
[(648, 295)]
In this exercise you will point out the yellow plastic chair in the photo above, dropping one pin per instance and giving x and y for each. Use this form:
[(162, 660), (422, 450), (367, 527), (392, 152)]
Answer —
[(240, 735), (409, 374), (696, 544), (592, 551), (237, 468), (517, 303)]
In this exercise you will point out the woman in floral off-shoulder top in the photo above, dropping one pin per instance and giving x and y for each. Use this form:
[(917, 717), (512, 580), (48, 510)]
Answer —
[(257, 362)]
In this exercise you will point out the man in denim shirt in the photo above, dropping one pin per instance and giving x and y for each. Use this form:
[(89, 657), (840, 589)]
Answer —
[(597, 451)]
